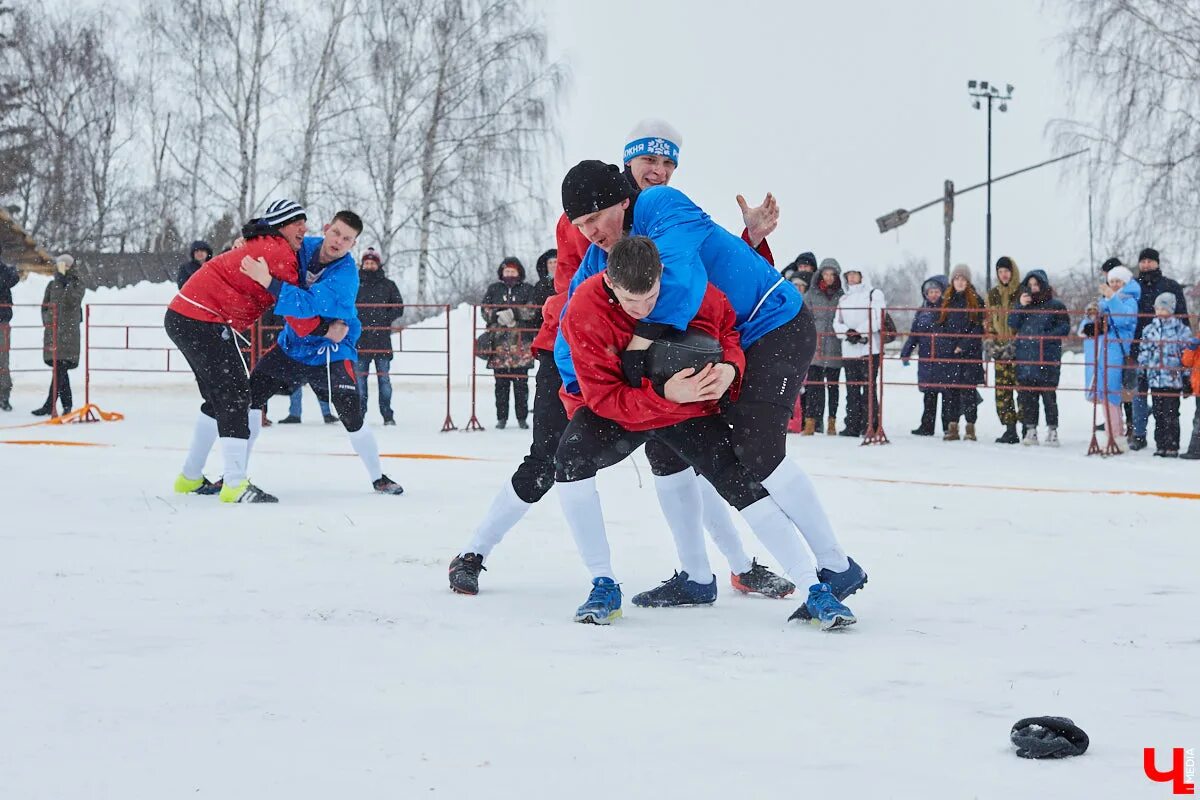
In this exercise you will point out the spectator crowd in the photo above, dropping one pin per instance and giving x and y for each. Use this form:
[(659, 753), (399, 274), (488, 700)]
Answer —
[(1139, 347), (1138, 343)]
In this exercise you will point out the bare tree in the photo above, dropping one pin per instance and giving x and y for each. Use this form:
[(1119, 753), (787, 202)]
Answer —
[(73, 99), (322, 69), (1137, 62), (227, 68), (461, 97), (15, 133)]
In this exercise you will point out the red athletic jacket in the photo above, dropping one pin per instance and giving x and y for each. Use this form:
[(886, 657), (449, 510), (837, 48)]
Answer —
[(219, 292), (598, 331), (571, 246)]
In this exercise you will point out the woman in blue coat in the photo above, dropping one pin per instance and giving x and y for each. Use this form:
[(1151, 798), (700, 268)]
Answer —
[(1038, 323), (958, 353), (923, 323), (1108, 345)]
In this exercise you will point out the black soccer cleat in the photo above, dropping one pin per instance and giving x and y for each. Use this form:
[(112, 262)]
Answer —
[(760, 580), (464, 573), (385, 485)]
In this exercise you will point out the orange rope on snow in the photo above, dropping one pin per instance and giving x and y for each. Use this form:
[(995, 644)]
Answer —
[(52, 443), (1036, 489)]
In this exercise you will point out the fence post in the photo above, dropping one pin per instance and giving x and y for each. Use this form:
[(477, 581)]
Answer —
[(874, 431), (473, 422), (448, 424), (87, 354)]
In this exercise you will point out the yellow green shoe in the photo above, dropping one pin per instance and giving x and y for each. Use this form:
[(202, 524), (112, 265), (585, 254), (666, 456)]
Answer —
[(201, 485), (245, 492)]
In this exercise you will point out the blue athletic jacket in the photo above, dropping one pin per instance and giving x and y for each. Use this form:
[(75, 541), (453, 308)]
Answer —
[(331, 296), (695, 251)]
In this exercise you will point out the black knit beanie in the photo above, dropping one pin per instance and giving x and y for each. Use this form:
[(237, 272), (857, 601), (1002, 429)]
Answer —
[(591, 186)]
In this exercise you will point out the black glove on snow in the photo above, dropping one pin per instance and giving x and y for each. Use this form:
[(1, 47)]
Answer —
[(1048, 737)]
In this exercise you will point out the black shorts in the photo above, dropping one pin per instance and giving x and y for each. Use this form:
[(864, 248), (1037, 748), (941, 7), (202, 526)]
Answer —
[(277, 373)]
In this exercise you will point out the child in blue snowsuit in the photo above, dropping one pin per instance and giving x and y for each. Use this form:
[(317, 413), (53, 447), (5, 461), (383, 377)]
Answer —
[(1161, 359)]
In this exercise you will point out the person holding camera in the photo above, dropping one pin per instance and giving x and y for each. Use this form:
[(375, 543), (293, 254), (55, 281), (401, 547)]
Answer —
[(1039, 323), (507, 312), (858, 322)]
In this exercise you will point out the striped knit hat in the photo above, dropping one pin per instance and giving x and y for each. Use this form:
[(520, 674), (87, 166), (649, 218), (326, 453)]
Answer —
[(281, 212)]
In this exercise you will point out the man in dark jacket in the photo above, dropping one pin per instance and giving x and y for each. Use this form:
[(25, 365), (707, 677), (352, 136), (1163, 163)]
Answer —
[(62, 313), (507, 312), (201, 252), (8, 279), (380, 308), (1153, 283), (543, 290)]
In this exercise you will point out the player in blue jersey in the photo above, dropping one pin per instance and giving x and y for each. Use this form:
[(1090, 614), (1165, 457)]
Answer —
[(777, 333)]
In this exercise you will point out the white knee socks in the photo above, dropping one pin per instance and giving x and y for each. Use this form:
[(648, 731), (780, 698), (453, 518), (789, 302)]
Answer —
[(368, 451), (255, 430), (721, 528), (506, 510), (779, 536), (234, 451), (679, 496), (793, 491), (204, 435), (581, 506)]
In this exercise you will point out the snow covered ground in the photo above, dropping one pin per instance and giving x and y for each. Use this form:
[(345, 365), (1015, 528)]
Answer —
[(155, 646)]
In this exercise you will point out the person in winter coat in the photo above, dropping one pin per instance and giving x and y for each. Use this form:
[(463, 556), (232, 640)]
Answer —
[(801, 271), (858, 322), (1107, 346), (510, 319), (62, 314), (9, 277), (1152, 283), (543, 290), (380, 308), (1160, 358), (1191, 359), (201, 252), (958, 353), (1038, 323), (924, 322), (1001, 299), (822, 298)]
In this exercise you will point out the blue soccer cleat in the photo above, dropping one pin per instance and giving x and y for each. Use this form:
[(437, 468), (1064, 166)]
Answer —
[(843, 584), (603, 604), (679, 590), (823, 607)]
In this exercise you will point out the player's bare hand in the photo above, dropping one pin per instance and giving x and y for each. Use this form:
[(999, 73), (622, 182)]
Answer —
[(337, 331), (723, 375), (256, 269), (760, 221), (689, 386)]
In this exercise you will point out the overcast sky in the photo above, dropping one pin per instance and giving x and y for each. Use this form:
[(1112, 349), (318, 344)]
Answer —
[(844, 110)]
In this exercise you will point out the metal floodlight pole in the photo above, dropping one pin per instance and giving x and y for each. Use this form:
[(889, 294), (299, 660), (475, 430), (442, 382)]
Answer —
[(993, 95)]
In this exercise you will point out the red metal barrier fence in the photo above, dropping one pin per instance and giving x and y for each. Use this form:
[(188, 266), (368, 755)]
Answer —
[(1129, 367), (129, 338)]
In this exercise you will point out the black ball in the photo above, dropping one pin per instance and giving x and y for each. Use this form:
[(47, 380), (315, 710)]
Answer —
[(678, 350)]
